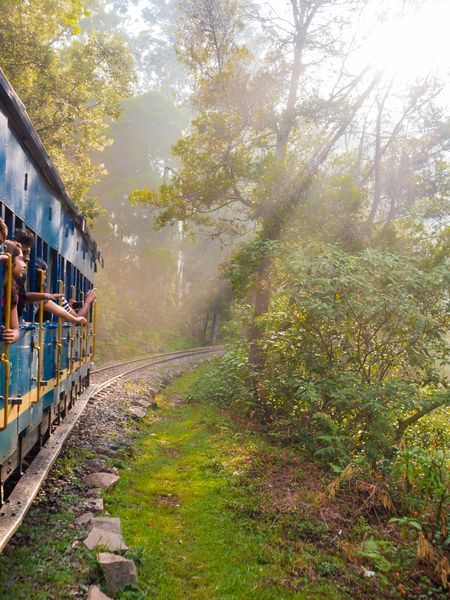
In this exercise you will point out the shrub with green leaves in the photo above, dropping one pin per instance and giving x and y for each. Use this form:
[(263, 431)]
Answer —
[(354, 344), (224, 382)]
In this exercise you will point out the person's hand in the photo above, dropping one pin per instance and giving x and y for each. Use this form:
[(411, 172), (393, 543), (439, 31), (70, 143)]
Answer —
[(56, 296), (80, 321), (3, 258), (91, 295), (9, 336)]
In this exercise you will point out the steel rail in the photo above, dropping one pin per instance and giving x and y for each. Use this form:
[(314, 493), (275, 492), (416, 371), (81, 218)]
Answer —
[(13, 511), (152, 356)]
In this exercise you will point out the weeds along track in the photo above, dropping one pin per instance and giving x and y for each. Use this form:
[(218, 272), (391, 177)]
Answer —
[(27, 486)]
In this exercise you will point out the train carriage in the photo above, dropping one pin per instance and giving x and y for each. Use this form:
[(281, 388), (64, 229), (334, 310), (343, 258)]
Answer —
[(40, 374)]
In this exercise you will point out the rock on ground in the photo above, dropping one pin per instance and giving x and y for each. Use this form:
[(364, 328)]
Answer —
[(95, 464), (95, 593), (118, 571), (84, 519), (100, 480), (101, 537), (138, 412), (107, 523)]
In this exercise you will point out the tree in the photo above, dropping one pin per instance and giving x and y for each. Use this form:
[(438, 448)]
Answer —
[(71, 83), (263, 130)]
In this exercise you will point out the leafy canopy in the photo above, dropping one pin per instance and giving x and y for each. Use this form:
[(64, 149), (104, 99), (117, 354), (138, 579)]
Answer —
[(70, 82)]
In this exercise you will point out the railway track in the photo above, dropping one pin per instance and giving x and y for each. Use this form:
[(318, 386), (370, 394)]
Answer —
[(106, 373), (14, 509)]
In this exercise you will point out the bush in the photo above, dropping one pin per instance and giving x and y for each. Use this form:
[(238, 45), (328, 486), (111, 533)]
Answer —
[(353, 347), (224, 382)]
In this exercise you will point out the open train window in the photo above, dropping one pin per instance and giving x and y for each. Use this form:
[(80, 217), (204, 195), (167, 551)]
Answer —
[(52, 272), (66, 278), (10, 220)]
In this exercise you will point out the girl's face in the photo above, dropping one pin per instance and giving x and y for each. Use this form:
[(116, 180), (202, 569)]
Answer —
[(19, 266)]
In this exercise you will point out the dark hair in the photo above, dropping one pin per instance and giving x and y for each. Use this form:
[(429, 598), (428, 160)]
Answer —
[(3, 229), (15, 250), (25, 237), (41, 264)]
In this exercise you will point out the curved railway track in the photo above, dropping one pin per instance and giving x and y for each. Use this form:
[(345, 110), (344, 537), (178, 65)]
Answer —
[(14, 509), (99, 374)]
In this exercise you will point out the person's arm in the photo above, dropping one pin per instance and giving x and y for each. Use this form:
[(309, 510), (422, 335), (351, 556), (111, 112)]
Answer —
[(10, 336), (39, 296), (90, 297), (59, 311)]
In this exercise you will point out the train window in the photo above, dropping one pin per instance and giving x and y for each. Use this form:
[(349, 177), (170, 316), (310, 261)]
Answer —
[(53, 271), (10, 220), (75, 283), (31, 273), (46, 257), (68, 279), (80, 285), (58, 271)]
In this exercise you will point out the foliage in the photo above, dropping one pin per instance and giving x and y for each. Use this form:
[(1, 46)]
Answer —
[(262, 120), (224, 383), (71, 83), (356, 346)]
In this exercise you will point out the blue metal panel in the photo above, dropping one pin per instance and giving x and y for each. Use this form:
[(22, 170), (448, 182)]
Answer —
[(8, 441), (15, 171), (38, 202), (15, 360), (27, 371), (65, 346), (49, 343)]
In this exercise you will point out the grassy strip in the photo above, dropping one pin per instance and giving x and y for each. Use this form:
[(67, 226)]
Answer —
[(45, 559), (190, 513)]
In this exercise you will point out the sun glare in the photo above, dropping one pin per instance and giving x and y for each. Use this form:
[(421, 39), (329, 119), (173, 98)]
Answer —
[(413, 44)]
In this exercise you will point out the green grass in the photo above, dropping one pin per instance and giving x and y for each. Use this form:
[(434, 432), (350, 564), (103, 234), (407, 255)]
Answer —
[(48, 561), (189, 518)]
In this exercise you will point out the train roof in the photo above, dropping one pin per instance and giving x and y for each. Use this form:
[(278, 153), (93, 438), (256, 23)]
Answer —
[(21, 123)]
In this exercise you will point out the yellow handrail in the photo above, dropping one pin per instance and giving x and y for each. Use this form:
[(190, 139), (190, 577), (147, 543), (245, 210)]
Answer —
[(94, 332), (59, 340), (81, 335), (73, 293), (5, 354), (38, 347), (88, 319)]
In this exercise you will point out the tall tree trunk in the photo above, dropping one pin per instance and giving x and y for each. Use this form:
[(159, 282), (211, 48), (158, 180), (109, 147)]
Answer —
[(205, 326), (214, 326)]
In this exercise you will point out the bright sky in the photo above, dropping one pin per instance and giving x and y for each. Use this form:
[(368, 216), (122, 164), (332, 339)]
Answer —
[(410, 45)]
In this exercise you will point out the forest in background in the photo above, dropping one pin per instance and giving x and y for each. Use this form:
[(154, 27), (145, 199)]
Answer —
[(104, 89), (186, 130)]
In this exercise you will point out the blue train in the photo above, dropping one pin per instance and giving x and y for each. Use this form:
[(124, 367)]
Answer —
[(41, 374)]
